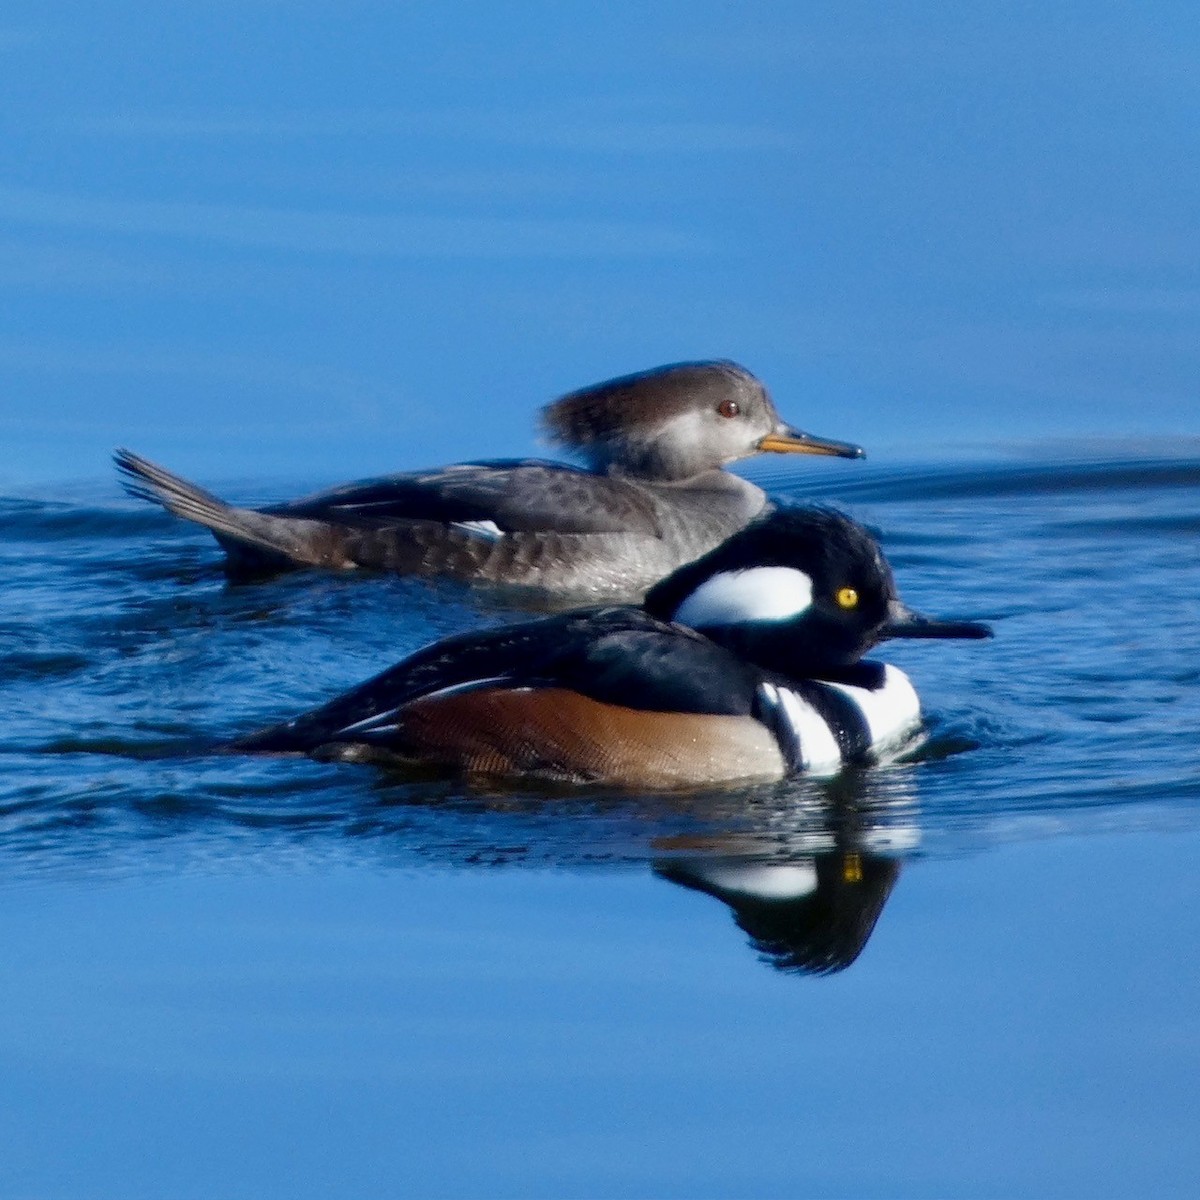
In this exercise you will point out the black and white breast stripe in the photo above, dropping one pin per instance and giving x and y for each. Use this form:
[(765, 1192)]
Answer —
[(822, 727)]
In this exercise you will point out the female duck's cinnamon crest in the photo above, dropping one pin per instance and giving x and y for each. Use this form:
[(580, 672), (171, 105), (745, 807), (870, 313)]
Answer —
[(745, 664), (653, 495)]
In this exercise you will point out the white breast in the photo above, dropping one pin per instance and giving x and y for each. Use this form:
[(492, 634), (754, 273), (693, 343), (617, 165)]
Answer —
[(891, 713)]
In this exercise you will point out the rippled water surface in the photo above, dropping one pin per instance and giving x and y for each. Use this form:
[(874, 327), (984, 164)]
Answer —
[(284, 977)]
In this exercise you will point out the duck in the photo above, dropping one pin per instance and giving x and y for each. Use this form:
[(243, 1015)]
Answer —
[(650, 496), (746, 664)]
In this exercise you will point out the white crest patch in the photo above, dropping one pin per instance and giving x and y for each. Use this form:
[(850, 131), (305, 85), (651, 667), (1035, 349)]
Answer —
[(767, 881), (755, 594)]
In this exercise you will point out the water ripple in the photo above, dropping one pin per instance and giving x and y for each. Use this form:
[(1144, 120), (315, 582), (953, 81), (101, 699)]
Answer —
[(125, 654)]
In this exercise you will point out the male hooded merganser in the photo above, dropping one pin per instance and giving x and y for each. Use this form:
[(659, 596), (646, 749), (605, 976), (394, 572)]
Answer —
[(653, 495), (743, 664)]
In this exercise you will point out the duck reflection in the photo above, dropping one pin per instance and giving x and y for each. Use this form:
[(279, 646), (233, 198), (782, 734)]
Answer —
[(811, 917), (809, 898), (805, 866)]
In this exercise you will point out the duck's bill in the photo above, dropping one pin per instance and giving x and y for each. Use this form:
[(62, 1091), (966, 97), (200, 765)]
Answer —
[(786, 440), (903, 622)]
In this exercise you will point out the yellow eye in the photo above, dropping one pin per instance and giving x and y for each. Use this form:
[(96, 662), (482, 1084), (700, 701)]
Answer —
[(847, 597)]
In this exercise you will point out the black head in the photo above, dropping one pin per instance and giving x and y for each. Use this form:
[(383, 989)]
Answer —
[(677, 421), (803, 592)]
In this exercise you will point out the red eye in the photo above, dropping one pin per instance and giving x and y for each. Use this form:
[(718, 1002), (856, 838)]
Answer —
[(729, 408)]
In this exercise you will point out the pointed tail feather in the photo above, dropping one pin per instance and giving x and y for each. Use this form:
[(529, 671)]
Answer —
[(148, 481), (237, 529)]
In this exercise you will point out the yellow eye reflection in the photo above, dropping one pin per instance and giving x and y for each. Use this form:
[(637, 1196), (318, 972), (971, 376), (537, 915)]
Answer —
[(847, 597)]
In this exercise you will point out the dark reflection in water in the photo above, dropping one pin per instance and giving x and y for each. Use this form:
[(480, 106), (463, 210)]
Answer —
[(808, 908), (805, 867), (813, 916)]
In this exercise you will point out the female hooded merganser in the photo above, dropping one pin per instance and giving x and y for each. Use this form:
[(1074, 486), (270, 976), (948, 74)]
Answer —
[(744, 664), (653, 495)]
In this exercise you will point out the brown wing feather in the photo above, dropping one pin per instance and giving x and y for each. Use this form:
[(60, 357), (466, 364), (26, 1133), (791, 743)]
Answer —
[(557, 733)]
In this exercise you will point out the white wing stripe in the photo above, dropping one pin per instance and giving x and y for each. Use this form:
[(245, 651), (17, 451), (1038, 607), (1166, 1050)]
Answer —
[(483, 529), (384, 720)]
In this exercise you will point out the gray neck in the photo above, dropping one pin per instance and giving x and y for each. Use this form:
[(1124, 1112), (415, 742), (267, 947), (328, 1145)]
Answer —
[(698, 513)]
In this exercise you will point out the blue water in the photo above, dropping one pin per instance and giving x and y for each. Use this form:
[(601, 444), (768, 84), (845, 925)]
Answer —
[(260, 977)]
